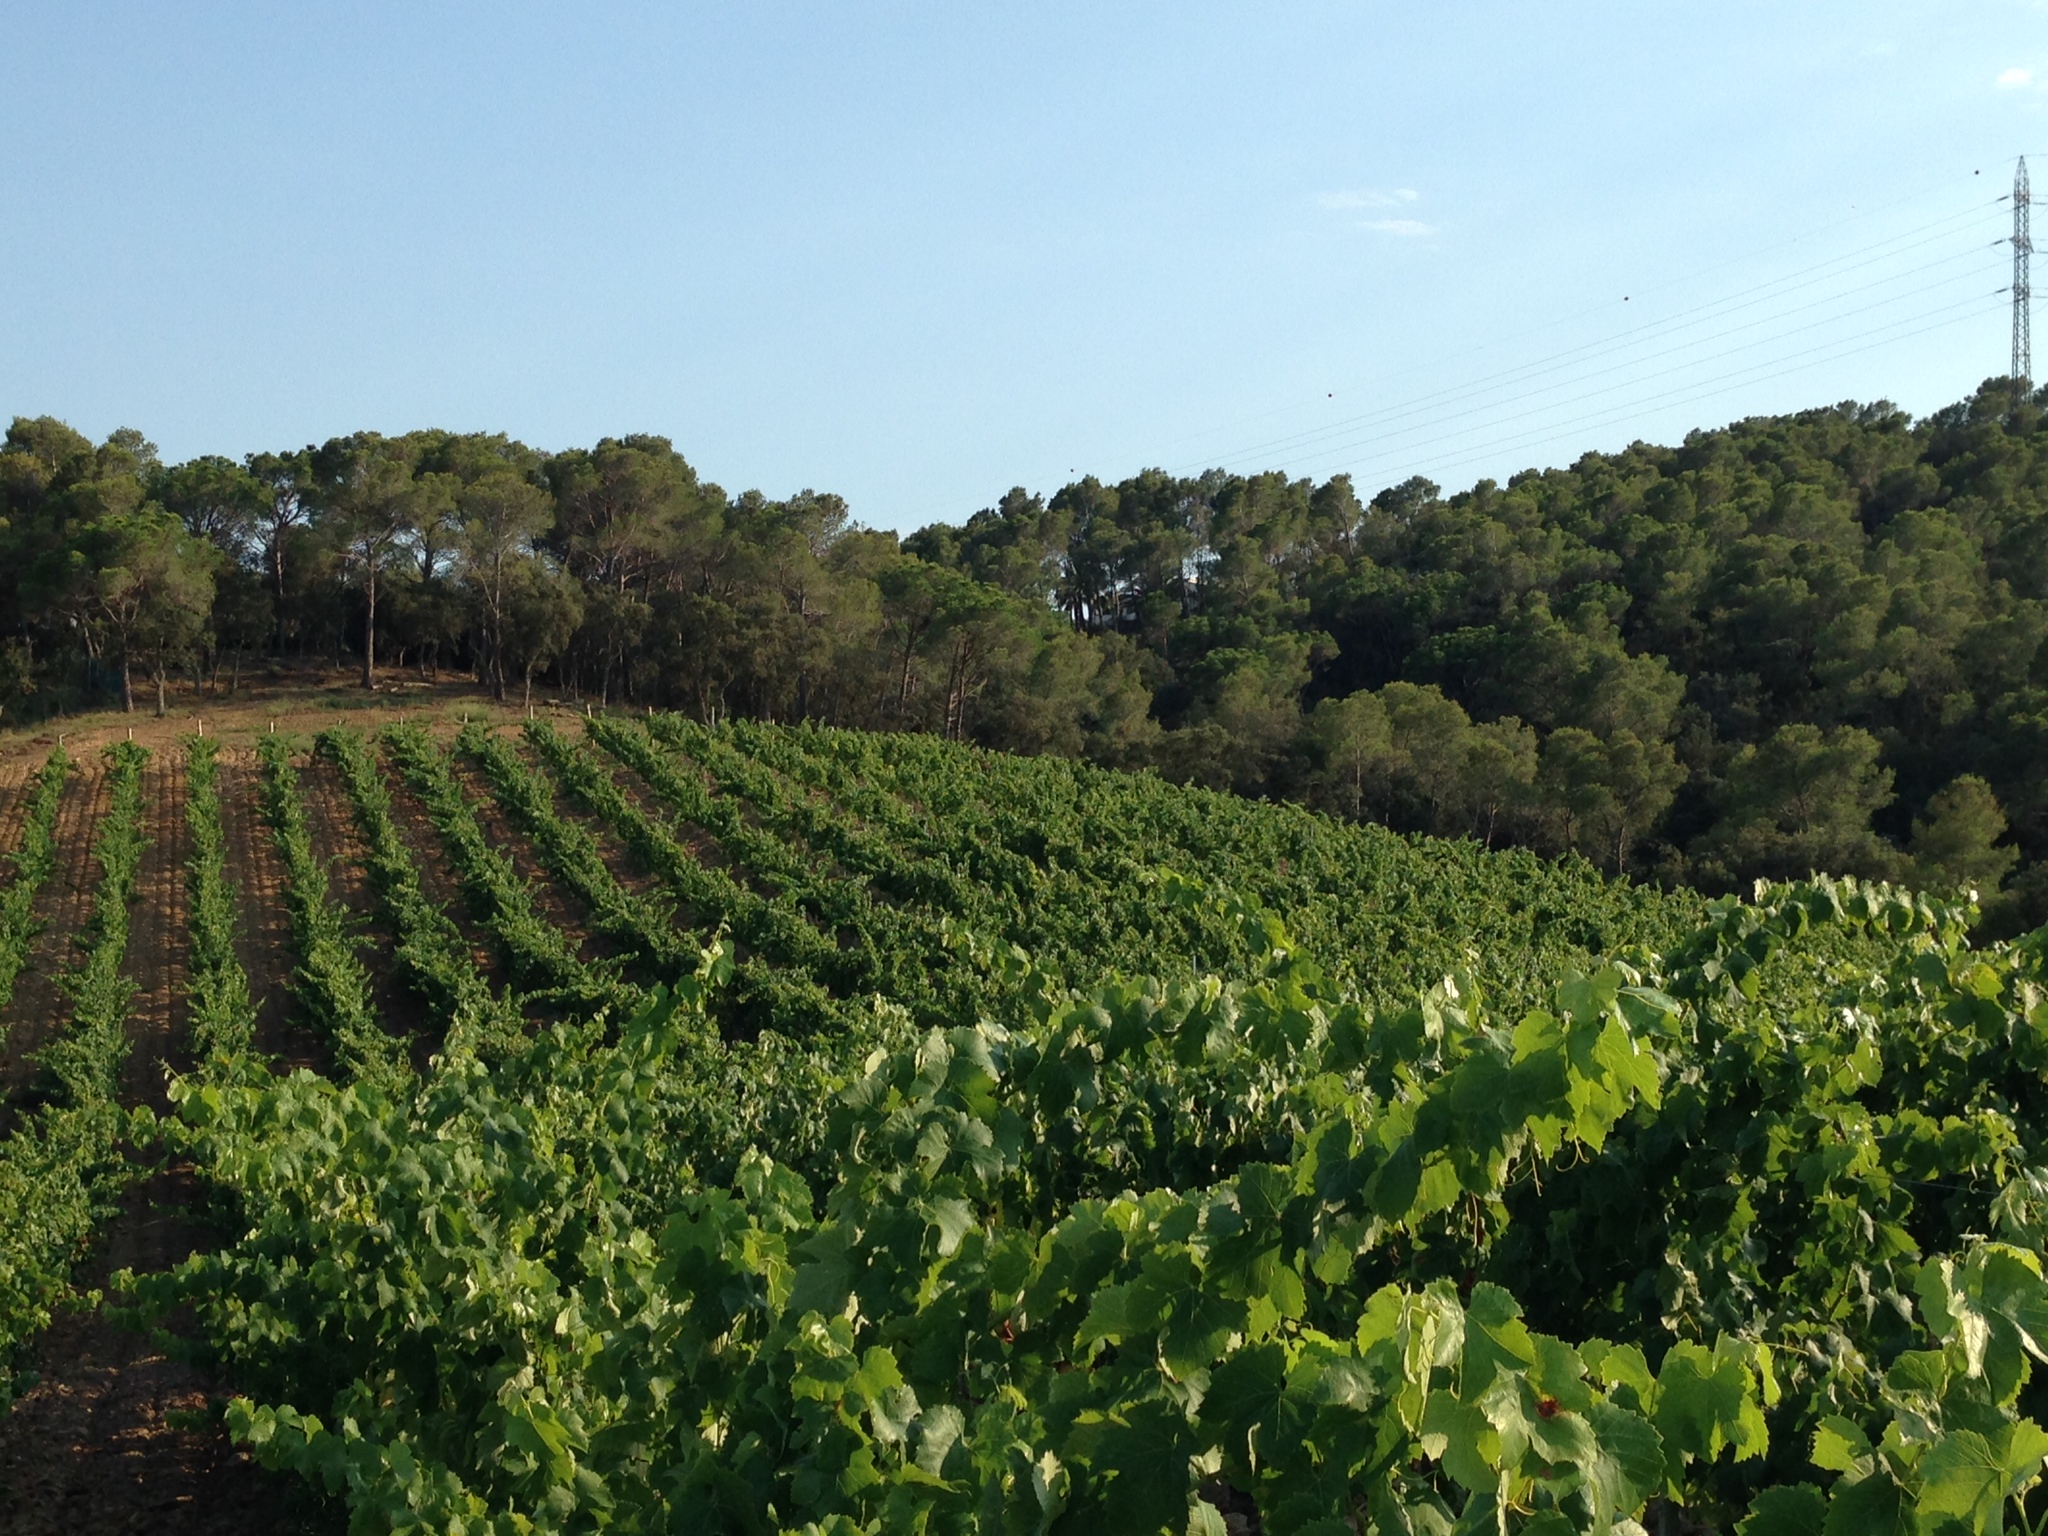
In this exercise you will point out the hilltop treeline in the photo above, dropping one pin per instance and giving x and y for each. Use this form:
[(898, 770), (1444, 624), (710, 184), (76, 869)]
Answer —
[(1799, 642)]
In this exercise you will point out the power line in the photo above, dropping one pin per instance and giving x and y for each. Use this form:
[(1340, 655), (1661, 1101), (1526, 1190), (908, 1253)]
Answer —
[(1377, 421), (1699, 314), (1760, 373), (1945, 184), (1573, 399)]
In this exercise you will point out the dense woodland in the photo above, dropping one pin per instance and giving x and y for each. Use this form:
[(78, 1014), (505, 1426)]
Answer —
[(1798, 642)]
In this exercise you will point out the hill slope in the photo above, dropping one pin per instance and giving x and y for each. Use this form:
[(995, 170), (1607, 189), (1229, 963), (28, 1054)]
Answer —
[(1211, 1197)]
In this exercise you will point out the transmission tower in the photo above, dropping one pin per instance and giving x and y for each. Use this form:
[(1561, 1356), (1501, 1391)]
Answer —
[(2022, 248)]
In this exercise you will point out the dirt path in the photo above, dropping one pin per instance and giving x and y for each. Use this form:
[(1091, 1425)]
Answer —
[(556, 903), (157, 938), (117, 1436), (624, 864), (263, 928), (40, 1006), (340, 846), (438, 878)]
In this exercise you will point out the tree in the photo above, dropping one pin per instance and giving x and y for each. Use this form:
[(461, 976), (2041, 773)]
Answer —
[(1799, 803), (1603, 796), (286, 483), (216, 499), (1353, 748), (1432, 742), (152, 589), (624, 509), (243, 618), (369, 501), (1500, 772), (502, 515), (543, 610), (1953, 848)]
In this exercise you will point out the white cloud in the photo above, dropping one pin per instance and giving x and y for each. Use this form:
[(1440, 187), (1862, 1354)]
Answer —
[(1406, 228), (2015, 79), (1348, 202)]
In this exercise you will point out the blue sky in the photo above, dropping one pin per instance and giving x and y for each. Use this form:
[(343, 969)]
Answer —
[(918, 254)]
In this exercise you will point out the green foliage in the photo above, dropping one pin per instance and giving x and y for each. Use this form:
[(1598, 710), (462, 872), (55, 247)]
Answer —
[(223, 1019), (543, 963), (1800, 802), (1955, 848), (768, 995), (1599, 658), (332, 984), (1111, 1259), (61, 1165), (430, 948), (573, 857), (32, 863)]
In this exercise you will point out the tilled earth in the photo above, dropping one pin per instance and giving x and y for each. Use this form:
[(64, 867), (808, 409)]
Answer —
[(117, 1433)]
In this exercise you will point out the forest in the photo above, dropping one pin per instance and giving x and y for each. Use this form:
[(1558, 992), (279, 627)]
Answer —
[(1794, 643)]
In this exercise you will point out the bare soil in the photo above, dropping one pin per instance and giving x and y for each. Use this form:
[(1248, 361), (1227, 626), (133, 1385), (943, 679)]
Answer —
[(339, 844), (118, 1434), (440, 881), (40, 1005), (263, 929), (556, 903)]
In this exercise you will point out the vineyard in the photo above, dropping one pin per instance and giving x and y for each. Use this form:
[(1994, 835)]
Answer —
[(621, 1124)]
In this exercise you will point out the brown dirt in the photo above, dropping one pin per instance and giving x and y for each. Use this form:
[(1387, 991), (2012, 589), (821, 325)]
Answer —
[(438, 879), (626, 868), (338, 843), (40, 1005), (156, 938), (556, 903), (263, 929), (117, 1436)]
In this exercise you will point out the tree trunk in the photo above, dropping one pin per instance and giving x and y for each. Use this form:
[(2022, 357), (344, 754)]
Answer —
[(235, 677), (277, 575), (127, 687), (159, 690), (370, 629), (903, 683)]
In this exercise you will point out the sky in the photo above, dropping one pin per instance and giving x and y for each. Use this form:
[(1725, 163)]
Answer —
[(917, 253)]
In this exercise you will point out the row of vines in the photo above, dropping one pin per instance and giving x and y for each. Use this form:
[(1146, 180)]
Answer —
[(950, 1143)]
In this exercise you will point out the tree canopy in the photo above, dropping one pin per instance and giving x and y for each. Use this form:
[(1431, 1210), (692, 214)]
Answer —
[(1800, 642)]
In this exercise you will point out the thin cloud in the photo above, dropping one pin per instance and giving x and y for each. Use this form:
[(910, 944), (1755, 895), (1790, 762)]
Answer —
[(1352, 202), (1407, 229), (2015, 79)]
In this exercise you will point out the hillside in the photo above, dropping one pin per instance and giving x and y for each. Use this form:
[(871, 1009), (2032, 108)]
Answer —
[(843, 866), (1801, 642), (1039, 1147)]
